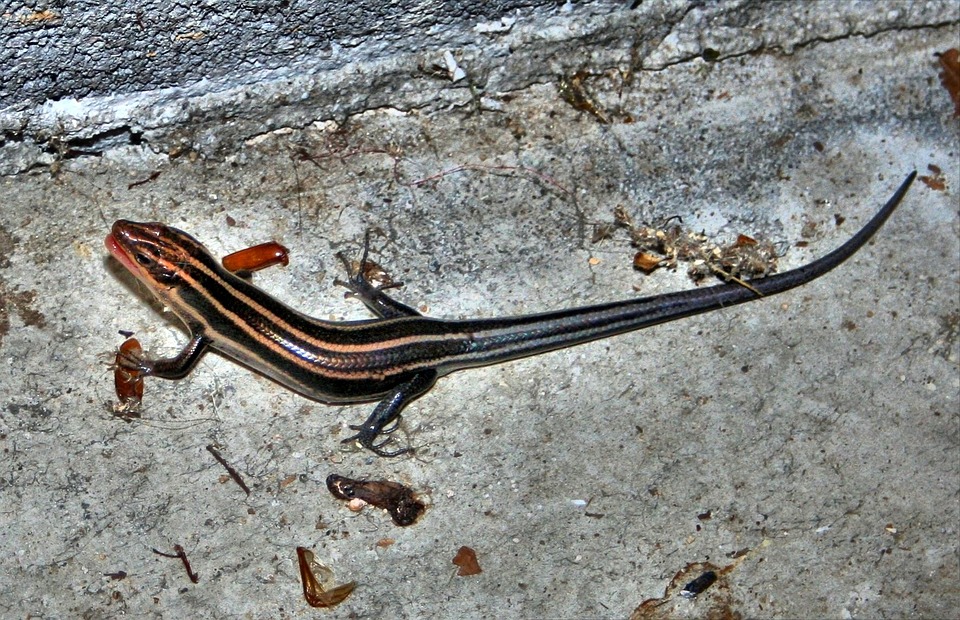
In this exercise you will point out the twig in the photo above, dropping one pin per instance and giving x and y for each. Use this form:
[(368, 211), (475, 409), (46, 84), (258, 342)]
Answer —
[(182, 555), (230, 470)]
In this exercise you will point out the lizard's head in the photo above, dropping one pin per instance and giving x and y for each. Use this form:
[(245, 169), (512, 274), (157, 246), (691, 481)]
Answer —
[(156, 254)]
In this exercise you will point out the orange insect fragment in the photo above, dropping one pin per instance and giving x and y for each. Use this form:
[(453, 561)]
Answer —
[(128, 382), (312, 590), (256, 257)]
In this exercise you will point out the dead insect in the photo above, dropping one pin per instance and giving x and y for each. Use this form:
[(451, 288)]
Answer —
[(128, 382), (397, 499)]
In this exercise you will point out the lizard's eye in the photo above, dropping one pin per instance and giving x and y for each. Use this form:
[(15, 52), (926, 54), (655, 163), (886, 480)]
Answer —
[(158, 271)]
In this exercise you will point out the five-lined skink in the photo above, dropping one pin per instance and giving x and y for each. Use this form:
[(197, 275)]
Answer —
[(398, 356)]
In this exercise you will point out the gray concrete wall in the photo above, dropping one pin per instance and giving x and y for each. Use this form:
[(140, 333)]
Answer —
[(88, 76), (73, 50)]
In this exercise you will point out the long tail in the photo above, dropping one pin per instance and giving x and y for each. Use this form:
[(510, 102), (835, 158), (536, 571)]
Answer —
[(497, 340)]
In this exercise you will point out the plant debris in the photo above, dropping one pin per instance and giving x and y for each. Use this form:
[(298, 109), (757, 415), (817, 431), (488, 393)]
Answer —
[(670, 244), (182, 556), (466, 559), (234, 474), (935, 181), (573, 90)]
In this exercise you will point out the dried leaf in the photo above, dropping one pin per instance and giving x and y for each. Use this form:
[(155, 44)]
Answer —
[(950, 76), (466, 559), (646, 262)]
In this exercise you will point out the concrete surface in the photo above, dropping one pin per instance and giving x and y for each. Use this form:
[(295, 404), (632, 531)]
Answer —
[(806, 444), (206, 76), (90, 48), (91, 77)]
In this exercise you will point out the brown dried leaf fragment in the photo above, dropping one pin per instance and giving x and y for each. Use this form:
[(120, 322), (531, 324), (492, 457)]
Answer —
[(313, 592), (950, 75), (602, 232), (621, 217), (935, 181), (646, 262), (466, 559)]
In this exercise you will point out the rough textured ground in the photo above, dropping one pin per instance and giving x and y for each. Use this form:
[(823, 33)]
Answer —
[(808, 442)]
